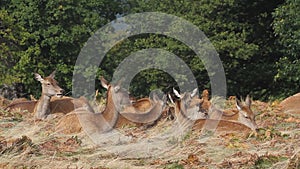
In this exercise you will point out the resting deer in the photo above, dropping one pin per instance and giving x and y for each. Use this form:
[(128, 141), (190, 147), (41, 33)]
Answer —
[(191, 104), (244, 115), (291, 104), (118, 111), (47, 104), (50, 88)]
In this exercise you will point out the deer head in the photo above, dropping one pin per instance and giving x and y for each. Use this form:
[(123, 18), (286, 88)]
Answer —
[(190, 104), (49, 85), (246, 115), (120, 97), (49, 88), (190, 98)]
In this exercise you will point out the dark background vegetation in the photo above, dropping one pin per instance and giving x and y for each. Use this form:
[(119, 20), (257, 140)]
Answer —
[(258, 42)]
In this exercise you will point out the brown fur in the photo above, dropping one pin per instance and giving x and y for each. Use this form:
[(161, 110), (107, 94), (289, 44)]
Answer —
[(205, 105), (22, 106), (223, 125), (140, 105), (101, 122), (50, 88), (4, 102), (291, 104), (57, 105), (185, 122)]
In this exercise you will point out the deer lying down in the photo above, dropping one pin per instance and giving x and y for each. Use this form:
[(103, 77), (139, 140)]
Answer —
[(47, 104), (57, 105), (244, 115), (26, 105), (291, 104), (115, 114), (191, 104), (197, 124)]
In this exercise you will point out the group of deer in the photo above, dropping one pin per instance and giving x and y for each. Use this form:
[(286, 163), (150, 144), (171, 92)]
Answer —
[(120, 110), (189, 108)]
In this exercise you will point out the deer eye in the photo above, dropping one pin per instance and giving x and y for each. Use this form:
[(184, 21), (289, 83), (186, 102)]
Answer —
[(48, 84)]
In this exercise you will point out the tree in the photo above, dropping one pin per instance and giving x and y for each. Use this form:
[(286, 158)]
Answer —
[(287, 28), (13, 39), (240, 32), (49, 35)]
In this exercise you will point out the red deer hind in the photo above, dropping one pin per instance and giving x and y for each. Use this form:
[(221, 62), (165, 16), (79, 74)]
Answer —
[(182, 116), (47, 104), (118, 110), (50, 88)]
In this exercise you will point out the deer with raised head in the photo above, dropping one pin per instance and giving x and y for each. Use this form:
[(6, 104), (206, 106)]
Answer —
[(50, 88), (118, 111), (47, 104), (191, 104)]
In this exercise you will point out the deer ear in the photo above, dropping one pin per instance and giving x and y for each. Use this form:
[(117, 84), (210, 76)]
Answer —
[(118, 85), (195, 91), (117, 88), (238, 104), (38, 77), (248, 101), (164, 98), (170, 98), (155, 97), (120, 82), (176, 93), (52, 75), (104, 83)]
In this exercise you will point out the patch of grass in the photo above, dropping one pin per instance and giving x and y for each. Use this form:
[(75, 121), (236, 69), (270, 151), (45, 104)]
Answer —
[(173, 140), (286, 125), (128, 126), (234, 143), (75, 153), (140, 162), (174, 165), (11, 116), (67, 154), (266, 134), (268, 161), (187, 135)]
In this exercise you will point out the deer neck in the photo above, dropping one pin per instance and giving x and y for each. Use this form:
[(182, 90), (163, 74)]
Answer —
[(110, 113), (42, 108), (179, 112), (231, 115)]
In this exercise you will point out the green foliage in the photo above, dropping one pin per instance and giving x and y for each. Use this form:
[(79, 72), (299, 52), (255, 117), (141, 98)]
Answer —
[(263, 60), (13, 39), (287, 28), (240, 32), (48, 35)]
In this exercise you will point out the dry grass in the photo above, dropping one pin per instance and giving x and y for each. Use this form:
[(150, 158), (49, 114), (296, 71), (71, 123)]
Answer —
[(26, 143)]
